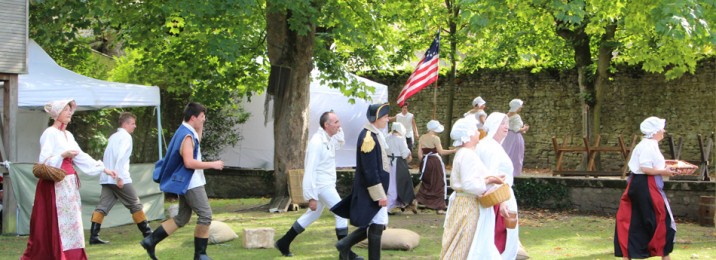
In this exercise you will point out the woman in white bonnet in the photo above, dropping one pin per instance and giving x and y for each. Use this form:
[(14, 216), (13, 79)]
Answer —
[(433, 187), (514, 144), (645, 226), (469, 228), (496, 160), (478, 112), (400, 191), (56, 222)]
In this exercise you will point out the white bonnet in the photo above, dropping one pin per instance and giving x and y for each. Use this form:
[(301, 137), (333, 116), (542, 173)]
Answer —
[(54, 108), (493, 122), (478, 101), (515, 104), (398, 127), (651, 125), (435, 126), (462, 130)]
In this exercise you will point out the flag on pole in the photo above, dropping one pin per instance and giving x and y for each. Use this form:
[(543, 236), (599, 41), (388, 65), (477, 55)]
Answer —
[(425, 74)]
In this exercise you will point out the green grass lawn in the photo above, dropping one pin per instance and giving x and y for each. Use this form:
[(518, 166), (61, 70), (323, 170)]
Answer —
[(546, 235)]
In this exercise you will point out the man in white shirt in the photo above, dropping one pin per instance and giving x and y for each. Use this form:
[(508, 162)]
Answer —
[(408, 121), (319, 180), (116, 157)]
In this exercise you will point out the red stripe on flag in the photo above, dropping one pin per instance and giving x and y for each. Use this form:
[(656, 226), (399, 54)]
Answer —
[(425, 74)]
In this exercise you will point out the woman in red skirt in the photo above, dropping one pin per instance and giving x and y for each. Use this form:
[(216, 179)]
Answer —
[(645, 226)]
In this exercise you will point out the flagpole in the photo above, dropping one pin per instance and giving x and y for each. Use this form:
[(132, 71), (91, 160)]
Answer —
[(435, 100)]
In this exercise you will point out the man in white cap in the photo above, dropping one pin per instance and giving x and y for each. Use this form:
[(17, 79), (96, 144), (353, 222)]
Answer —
[(366, 206)]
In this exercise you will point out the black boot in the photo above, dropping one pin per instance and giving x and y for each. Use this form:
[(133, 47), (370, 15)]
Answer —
[(284, 243), (344, 245), (144, 228), (94, 235), (340, 234), (375, 232), (200, 248), (152, 240)]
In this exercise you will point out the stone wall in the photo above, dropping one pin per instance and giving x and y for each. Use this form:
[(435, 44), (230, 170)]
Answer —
[(552, 106), (601, 196)]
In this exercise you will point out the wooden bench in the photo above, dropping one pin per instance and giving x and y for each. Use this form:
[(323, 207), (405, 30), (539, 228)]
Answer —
[(591, 151)]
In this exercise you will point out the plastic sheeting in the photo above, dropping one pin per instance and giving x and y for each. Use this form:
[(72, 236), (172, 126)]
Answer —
[(255, 149), (152, 198)]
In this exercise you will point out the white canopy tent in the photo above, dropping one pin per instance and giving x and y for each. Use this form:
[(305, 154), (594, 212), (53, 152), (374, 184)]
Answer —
[(47, 81), (255, 149)]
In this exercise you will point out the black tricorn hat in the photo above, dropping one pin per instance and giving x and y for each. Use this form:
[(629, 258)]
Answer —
[(376, 111)]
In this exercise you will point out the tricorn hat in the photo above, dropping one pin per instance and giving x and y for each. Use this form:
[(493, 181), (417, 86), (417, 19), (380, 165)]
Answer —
[(376, 111)]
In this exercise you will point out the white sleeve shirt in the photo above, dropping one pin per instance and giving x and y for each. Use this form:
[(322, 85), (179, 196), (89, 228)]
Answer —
[(646, 154), (116, 157), (468, 173), (54, 142), (496, 159), (320, 164)]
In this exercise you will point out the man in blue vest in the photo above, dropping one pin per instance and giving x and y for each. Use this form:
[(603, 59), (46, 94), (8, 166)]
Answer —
[(182, 172), (366, 207)]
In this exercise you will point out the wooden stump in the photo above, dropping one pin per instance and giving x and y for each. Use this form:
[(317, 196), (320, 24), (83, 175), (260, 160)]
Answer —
[(258, 237)]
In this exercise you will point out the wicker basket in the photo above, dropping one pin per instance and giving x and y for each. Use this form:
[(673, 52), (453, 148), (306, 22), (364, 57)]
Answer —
[(682, 167), (495, 196), (49, 173), (295, 186)]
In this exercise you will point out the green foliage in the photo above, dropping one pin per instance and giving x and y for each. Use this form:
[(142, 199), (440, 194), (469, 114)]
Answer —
[(533, 193)]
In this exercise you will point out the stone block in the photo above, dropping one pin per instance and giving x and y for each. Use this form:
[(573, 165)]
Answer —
[(258, 237)]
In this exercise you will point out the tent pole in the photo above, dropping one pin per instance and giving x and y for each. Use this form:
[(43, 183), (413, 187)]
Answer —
[(159, 132)]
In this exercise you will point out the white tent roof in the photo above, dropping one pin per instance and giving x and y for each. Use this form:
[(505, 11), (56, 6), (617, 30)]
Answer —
[(255, 149), (47, 81)]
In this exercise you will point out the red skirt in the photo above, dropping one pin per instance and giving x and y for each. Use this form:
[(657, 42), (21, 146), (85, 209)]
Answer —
[(643, 226)]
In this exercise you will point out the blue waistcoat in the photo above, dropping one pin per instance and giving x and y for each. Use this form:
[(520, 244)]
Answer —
[(170, 172)]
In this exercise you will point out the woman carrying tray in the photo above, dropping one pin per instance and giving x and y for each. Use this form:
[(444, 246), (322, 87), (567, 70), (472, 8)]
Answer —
[(56, 222), (645, 226), (469, 229)]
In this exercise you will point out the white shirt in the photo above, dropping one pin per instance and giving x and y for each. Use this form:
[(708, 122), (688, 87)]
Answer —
[(515, 123), (646, 154), (116, 157), (54, 142), (407, 121), (319, 169), (477, 116), (398, 146), (197, 179), (468, 173), (496, 159)]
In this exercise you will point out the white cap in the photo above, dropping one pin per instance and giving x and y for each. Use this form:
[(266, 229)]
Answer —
[(651, 126), (478, 101), (515, 104), (462, 130), (398, 127), (493, 122), (435, 126)]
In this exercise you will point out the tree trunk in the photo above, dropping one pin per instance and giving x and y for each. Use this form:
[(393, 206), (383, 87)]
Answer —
[(454, 10), (606, 47), (579, 40), (287, 48)]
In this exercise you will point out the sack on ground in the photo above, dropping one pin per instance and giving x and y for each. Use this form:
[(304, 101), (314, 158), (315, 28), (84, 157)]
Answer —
[(220, 232), (396, 239)]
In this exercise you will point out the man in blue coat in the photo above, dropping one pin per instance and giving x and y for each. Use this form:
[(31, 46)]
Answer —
[(366, 207), (182, 172)]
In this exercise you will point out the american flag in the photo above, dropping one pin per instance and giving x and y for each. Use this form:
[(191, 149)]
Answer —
[(425, 74)]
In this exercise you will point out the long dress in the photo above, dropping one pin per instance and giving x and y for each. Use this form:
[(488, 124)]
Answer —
[(400, 192), (514, 144), (645, 226), (469, 228), (56, 222), (496, 160), (433, 189)]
